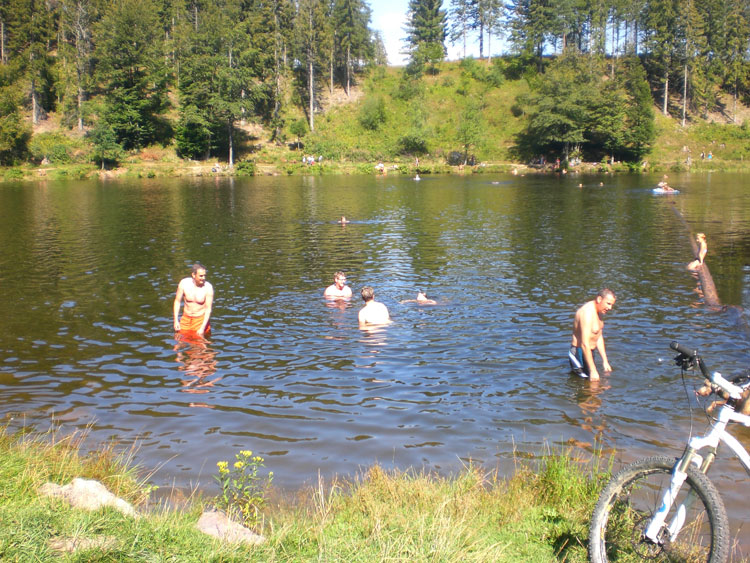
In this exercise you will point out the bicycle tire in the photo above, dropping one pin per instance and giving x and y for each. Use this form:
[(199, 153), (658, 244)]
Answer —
[(632, 496)]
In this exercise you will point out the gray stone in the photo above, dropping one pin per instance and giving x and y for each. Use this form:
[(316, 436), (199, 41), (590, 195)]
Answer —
[(87, 494), (217, 524)]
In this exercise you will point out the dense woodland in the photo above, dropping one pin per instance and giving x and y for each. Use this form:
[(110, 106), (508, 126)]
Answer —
[(133, 73)]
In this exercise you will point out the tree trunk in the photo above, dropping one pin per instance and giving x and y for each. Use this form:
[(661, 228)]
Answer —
[(481, 41), (2, 42), (34, 103), (348, 69), (684, 95), (230, 127), (666, 92), (311, 89)]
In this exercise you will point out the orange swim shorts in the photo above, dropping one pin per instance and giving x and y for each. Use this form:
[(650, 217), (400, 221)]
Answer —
[(192, 324)]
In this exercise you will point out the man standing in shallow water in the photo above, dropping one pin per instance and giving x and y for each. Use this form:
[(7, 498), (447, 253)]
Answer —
[(587, 335), (374, 312), (198, 295), (338, 289)]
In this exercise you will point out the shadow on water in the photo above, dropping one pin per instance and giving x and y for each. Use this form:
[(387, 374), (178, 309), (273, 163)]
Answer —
[(92, 269)]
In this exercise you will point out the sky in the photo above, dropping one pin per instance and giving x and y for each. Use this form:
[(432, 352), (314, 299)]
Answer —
[(389, 17)]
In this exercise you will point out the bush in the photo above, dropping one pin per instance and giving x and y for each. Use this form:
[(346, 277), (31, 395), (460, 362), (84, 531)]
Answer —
[(413, 142), (56, 148), (455, 158), (372, 115), (245, 168)]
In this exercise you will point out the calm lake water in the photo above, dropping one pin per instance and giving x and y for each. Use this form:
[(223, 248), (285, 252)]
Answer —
[(88, 271)]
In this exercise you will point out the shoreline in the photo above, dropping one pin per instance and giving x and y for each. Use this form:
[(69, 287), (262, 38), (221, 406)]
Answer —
[(147, 170)]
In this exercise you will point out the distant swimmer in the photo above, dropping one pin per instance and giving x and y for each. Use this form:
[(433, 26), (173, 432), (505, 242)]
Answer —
[(343, 220), (700, 238), (588, 335), (373, 313), (198, 295), (664, 186), (422, 299), (338, 289), (417, 178)]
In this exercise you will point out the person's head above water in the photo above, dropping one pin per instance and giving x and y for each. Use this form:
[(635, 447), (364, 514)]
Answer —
[(367, 293)]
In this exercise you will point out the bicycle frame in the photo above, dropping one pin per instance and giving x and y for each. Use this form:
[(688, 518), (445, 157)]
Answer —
[(718, 433)]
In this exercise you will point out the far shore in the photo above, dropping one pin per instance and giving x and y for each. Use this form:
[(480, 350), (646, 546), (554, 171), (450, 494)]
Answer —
[(176, 168)]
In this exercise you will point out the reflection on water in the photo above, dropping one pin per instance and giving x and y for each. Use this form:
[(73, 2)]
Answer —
[(91, 271), (197, 362)]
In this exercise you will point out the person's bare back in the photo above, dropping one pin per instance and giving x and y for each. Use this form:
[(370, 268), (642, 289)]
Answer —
[(373, 313)]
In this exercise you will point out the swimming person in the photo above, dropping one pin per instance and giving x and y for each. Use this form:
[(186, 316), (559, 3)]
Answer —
[(343, 220), (338, 289), (588, 328), (198, 295), (422, 299), (373, 313), (700, 238)]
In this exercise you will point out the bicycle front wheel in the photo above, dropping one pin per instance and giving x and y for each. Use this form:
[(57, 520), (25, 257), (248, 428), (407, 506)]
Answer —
[(631, 498)]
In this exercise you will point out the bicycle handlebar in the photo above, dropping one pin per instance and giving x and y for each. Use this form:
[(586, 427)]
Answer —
[(716, 378), (692, 355)]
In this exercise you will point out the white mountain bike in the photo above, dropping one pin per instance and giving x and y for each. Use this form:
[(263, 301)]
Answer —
[(666, 509)]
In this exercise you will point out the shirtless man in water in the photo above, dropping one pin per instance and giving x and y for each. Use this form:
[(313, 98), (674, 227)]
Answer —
[(338, 289), (587, 335), (198, 295), (374, 312)]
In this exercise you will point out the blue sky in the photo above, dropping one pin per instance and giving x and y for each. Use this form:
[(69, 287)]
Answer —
[(389, 17)]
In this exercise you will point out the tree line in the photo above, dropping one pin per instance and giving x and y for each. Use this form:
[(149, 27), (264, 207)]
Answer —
[(137, 72), (120, 67)]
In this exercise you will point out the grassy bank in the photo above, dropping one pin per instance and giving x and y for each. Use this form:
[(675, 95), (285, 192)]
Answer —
[(539, 514)]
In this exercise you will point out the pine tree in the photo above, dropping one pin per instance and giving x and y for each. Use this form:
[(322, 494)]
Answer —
[(131, 65), (426, 30), (352, 20)]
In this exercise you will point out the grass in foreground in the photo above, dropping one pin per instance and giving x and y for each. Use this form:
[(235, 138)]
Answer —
[(539, 514)]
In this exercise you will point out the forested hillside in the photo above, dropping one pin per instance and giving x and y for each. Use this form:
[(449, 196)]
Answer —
[(225, 79)]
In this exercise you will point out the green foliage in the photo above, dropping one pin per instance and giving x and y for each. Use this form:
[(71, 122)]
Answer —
[(299, 127), (106, 149), (373, 114), (55, 147), (132, 69), (14, 132), (242, 488), (573, 107), (245, 168), (408, 88), (193, 136), (413, 142)]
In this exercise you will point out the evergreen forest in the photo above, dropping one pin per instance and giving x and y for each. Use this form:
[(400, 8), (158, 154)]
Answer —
[(189, 74)]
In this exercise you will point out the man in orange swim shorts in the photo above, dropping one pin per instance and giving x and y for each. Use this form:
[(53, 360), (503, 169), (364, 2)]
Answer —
[(198, 295)]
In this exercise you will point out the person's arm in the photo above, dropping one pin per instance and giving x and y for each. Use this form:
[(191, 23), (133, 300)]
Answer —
[(603, 353), (208, 308), (588, 355), (176, 307)]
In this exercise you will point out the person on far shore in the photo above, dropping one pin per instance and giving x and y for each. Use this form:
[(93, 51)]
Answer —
[(700, 238), (588, 328), (338, 289), (374, 312), (198, 295)]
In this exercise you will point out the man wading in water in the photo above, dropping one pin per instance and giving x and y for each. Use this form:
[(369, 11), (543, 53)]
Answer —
[(587, 335), (199, 298)]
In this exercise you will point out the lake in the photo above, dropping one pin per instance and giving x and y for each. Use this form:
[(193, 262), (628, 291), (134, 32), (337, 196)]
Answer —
[(89, 271)]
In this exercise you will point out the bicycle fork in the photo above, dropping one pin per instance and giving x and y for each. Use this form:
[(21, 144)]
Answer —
[(658, 523)]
